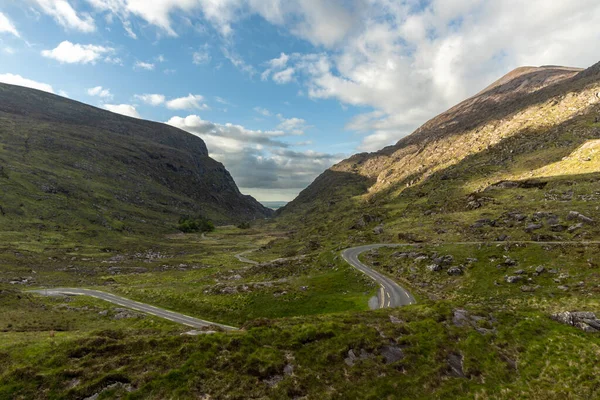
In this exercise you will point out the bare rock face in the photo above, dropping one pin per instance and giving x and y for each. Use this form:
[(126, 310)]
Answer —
[(584, 320)]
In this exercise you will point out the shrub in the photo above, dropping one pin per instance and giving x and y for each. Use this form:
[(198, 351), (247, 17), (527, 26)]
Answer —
[(195, 224)]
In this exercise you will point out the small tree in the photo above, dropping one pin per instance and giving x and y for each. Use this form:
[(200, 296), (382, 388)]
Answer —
[(195, 224), (244, 225)]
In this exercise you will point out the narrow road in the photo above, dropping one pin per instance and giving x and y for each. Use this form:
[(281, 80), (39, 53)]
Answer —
[(393, 295), (243, 259), (135, 305), (390, 294)]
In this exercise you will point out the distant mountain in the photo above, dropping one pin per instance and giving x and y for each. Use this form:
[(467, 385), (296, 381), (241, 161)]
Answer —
[(515, 129), (67, 165)]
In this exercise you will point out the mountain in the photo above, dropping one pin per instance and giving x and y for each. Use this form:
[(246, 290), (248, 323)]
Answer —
[(527, 125), (65, 165)]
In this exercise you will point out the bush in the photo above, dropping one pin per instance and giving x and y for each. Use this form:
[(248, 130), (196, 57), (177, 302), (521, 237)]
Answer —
[(244, 225), (197, 224)]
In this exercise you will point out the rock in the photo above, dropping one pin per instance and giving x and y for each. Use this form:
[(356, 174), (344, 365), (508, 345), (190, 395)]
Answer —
[(351, 359), (288, 369), (584, 320), (391, 354), (460, 317), (472, 260), (304, 288), (455, 362), (509, 261), (502, 238), (455, 271), (574, 215), (378, 230), (483, 222), (575, 227), (558, 228), (434, 267), (532, 227), (195, 332), (421, 258), (540, 269), (395, 320), (513, 279), (444, 261), (519, 272), (273, 381), (563, 288), (529, 289), (103, 313)]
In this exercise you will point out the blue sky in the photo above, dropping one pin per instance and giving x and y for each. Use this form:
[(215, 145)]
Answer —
[(282, 89)]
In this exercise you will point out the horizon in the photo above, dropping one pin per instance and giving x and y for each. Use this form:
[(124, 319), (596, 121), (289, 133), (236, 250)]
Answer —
[(277, 92)]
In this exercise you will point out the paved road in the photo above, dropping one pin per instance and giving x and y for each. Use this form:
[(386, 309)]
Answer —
[(135, 305), (390, 294), (393, 295)]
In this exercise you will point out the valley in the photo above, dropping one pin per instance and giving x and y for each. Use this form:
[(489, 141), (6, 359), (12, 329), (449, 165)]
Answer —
[(462, 262)]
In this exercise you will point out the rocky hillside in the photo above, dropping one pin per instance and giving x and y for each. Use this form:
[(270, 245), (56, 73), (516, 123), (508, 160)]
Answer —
[(65, 165), (530, 124)]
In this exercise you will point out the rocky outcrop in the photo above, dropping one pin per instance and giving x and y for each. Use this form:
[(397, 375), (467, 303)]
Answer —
[(584, 320)]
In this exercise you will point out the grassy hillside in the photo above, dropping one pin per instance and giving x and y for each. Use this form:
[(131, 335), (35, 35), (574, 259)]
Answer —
[(69, 168), (527, 143)]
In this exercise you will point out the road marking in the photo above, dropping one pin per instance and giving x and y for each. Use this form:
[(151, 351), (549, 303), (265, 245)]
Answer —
[(388, 295)]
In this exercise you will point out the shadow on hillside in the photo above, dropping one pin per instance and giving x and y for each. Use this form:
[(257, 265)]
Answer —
[(331, 187)]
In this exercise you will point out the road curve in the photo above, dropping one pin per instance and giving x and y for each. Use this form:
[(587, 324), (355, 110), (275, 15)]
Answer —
[(135, 305), (390, 294), (393, 295)]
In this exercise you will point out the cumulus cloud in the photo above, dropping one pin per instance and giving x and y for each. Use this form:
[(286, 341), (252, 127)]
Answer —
[(152, 99), (190, 102), (124, 109), (65, 15), (20, 81), (285, 76), (7, 26), (295, 126), (144, 65), (99, 91), (258, 159), (70, 53)]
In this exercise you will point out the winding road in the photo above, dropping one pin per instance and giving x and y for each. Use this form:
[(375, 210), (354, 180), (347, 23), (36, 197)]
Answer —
[(135, 305), (390, 293)]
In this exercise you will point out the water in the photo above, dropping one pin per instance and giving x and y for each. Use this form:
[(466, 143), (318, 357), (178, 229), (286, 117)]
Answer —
[(274, 205)]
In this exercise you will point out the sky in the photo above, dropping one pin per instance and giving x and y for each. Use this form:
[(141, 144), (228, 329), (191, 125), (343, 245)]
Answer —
[(280, 90)]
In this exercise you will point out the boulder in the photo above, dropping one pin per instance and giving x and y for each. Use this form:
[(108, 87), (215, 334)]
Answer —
[(584, 320), (532, 227), (455, 363), (434, 267), (391, 354), (513, 279), (574, 215), (378, 230), (455, 271)]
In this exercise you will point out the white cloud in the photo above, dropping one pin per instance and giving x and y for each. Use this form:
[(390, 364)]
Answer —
[(20, 81), (7, 26), (64, 14), (285, 76), (202, 56), (295, 126), (144, 65), (124, 109), (192, 101), (99, 91), (67, 52), (257, 159), (160, 58), (238, 61), (263, 111), (152, 99)]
